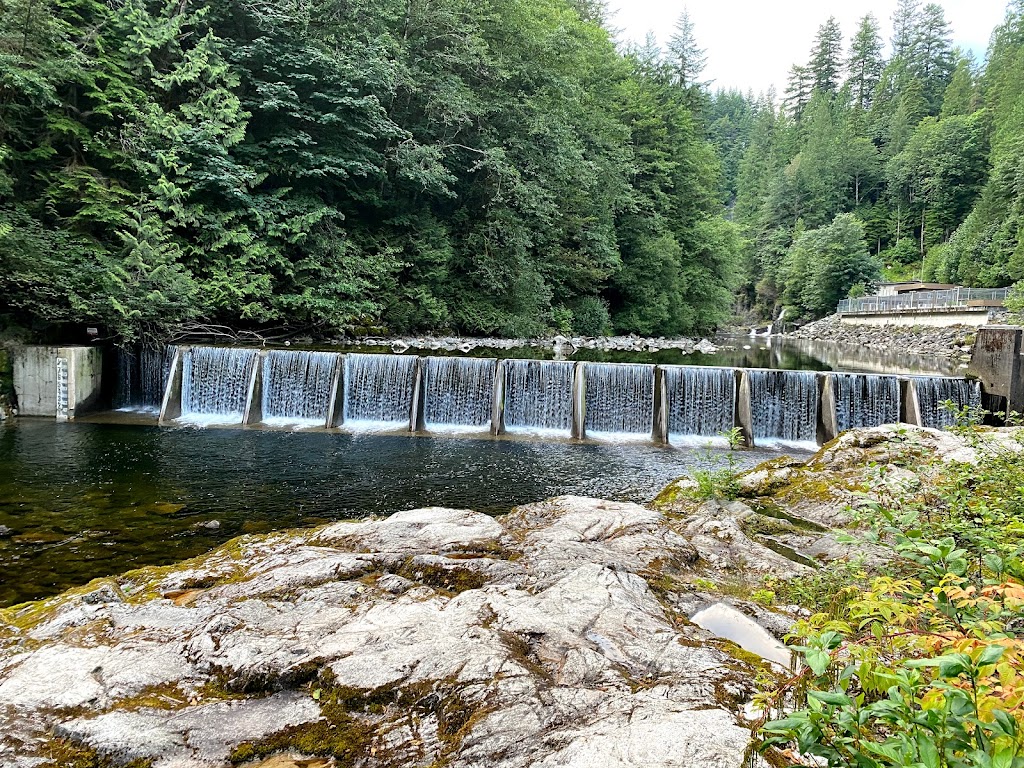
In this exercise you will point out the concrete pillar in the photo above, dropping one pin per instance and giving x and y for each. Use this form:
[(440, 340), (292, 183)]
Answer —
[(254, 400), (417, 419), (998, 364), (336, 408), (659, 431), (579, 401), (498, 400), (744, 413), (170, 408), (910, 409), (828, 426)]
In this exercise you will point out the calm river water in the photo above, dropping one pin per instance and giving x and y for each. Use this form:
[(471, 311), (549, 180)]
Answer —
[(92, 499)]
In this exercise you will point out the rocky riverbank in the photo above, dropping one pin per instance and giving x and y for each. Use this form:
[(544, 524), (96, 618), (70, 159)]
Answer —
[(953, 342), (558, 345), (565, 633)]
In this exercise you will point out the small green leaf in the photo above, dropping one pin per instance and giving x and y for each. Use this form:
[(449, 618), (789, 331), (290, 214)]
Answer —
[(990, 655), (831, 697), (817, 661)]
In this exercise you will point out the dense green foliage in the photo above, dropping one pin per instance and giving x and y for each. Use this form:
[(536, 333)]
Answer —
[(925, 149), (339, 165), (921, 666)]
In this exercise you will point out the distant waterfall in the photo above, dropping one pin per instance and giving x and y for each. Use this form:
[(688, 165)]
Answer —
[(932, 391), (142, 377), (701, 401), (215, 383), (538, 395), (297, 386), (865, 400), (784, 405), (458, 391), (619, 398), (378, 390)]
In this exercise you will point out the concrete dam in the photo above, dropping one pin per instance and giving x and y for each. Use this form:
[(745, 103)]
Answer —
[(547, 398)]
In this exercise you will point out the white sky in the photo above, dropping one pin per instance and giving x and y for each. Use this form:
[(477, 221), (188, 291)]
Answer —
[(753, 43)]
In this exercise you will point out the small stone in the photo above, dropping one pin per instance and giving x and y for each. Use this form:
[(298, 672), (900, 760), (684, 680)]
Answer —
[(38, 537), (5, 531), (105, 594), (166, 508), (211, 525)]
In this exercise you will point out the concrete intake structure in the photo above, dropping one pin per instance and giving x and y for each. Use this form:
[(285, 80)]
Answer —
[(998, 364), (59, 382)]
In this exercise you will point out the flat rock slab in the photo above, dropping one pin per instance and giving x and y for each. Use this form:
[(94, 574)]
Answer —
[(432, 635)]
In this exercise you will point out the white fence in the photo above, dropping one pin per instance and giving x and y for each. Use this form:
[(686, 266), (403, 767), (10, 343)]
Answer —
[(922, 300)]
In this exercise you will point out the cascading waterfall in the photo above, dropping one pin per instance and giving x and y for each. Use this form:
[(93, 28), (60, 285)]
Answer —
[(538, 395), (619, 398), (142, 377), (297, 386), (457, 392), (865, 400), (933, 391), (215, 383), (701, 401), (784, 405), (378, 391)]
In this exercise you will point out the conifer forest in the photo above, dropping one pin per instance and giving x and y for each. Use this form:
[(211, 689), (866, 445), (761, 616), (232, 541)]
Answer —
[(504, 167)]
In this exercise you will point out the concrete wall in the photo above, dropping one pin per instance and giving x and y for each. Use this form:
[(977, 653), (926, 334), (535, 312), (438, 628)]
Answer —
[(998, 364), (936, 318), (58, 382)]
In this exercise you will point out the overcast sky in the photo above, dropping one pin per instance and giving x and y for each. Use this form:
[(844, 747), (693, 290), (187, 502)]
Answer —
[(753, 43)]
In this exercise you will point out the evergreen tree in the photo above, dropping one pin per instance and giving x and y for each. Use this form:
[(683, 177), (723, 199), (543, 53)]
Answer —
[(960, 97), (827, 57), (686, 59), (904, 38), (865, 63), (934, 58), (799, 88)]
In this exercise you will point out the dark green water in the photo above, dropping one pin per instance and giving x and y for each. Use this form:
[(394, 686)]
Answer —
[(734, 352), (86, 500)]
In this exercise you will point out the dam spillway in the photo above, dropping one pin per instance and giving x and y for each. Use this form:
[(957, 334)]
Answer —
[(538, 396), (865, 400), (701, 401), (458, 392), (619, 399), (142, 377), (378, 391), (603, 401), (297, 386), (933, 392), (784, 405), (216, 383)]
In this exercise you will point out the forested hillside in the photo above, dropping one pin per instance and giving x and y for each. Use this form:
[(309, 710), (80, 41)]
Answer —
[(349, 166), (903, 160)]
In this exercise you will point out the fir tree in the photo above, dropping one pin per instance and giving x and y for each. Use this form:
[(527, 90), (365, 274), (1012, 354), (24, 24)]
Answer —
[(686, 59), (826, 57), (865, 63)]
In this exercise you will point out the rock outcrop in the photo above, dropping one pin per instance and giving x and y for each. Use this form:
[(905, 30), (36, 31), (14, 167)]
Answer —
[(431, 637), (557, 635)]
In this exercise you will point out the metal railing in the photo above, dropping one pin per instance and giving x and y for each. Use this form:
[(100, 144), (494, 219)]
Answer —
[(921, 300)]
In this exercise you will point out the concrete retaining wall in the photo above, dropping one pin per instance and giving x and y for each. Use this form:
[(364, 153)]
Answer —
[(58, 382), (936, 318)]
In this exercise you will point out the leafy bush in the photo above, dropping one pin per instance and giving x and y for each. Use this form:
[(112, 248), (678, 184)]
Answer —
[(923, 666)]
